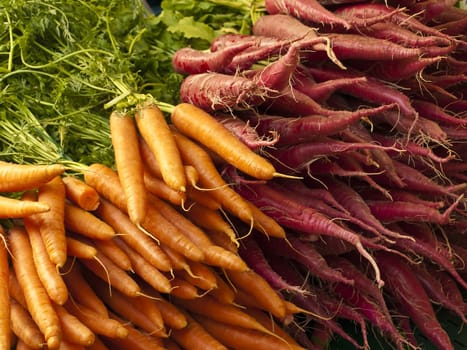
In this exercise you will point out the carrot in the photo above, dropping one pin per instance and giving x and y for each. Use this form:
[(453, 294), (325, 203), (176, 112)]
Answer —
[(172, 315), (66, 345), (224, 292), (183, 289), (47, 272), (239, 338), (201, 276), (222, 240), (144, 269), (15, 290), (213, 255), (210, 178), (74, 331), (105, 180), (129, 165), (52, 227), (108, 271), (79, 249), (21, 345), (201, 126), (81, 291), (21, 177), (5, 337), (136, 339), (151, 311), (133, 236), (14, 208), (37, 300), (113, 251), (266, 224), (213, 309), (160, 189), (24, 327), (99, 324), (86, 223), (81, 193), (177, 260), (155, 131), (123, 306), (211, 220), (97, 345), (194, 336), (265, 296), (196, 195)]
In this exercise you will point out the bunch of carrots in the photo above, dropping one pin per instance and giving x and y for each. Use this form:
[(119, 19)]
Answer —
[(142, 256), (365, 101)]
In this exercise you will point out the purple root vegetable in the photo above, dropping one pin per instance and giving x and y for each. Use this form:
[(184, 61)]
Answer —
[(430, 9), (371, 311), (290, 213), (310, 11), (305, 254), (215, 91), (191, 61), (442, 289), (402, 283), (247, 134), (301, 129), (434, 112), (372, 90), (253, 255), (393, 211)]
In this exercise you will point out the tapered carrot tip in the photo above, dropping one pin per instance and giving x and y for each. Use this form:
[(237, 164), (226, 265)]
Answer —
[(121, 332), (54, 342)]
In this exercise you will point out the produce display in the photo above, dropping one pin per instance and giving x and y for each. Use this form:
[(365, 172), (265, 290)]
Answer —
[(219, 174)]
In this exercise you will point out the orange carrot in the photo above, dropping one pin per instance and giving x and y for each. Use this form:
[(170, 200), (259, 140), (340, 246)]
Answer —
[(86, 223), (183, 289), (81, 291), (52, 227), (5, 337), (209, 178), (12, 208), (204, 128), (47, 272), (170, 344), (224, 313), (195, 336), (105, 181), (264, 223), (136, 339), (24, 327), (224, 292), (200, 275), (96, 322), (222, 240), (177, 260), (243, 338), (154, 129), (119, 279), (133, 236), (151, 310), (97, 345), (172, 316), (205, 198), (211, 220), (21, 345), (74, 331), (79, 249), (160, 189), (15, 290), (265, 296), (144, 269), (37, 300), (213, 255), (66, 345), (22, 177), (113, 251), (129, 165), (123, 306), (81, 193)]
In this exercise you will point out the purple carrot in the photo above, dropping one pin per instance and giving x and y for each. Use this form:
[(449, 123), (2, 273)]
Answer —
[(307, 127), (402, 283), (247, 134), (304, 254), (188, 60), (434, 112), (253, 255), (391, 211), (455, 133), (299, 155), (429, 9), (305, 10), (367, 11), (400, 195), (215, 91), (289, 213), (436, 284), (372, 90), (357, 206), (426, 249), (370, 310)]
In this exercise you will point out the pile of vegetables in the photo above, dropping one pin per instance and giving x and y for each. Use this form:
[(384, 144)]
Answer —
[(231, 174)]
